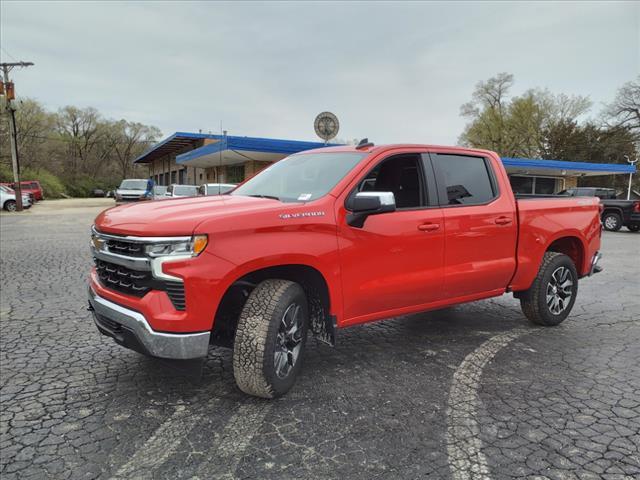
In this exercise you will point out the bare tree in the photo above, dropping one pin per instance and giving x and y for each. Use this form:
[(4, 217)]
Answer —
[(79, 128), (130, 140), (624, 111)]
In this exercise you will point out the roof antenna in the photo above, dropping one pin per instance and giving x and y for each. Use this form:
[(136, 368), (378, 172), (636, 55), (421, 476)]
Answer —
[(364, 143)]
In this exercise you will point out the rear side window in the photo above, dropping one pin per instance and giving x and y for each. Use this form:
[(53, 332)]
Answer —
[(464, 180)]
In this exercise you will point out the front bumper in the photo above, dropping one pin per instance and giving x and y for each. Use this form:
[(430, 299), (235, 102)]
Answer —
[(131, 330)]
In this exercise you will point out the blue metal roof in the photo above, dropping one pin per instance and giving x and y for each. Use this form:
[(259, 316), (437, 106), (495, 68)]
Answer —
[(566, 165), (173, 143), (251, 144)]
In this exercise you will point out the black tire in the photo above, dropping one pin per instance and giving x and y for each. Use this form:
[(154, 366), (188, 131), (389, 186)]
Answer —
[(261, 339), (10, 205), (535, 302), (634, 228), (612, 221)]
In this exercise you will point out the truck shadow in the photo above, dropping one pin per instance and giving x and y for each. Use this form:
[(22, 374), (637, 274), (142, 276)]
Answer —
[(412, 342)]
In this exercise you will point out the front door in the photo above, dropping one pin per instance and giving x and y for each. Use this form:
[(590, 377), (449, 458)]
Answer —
[(395, 260)]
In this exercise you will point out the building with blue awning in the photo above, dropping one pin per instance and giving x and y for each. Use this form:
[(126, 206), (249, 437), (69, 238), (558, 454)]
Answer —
[(197, 158)]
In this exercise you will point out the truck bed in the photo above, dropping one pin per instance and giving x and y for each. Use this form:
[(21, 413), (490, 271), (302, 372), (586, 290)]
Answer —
[(543, 219)]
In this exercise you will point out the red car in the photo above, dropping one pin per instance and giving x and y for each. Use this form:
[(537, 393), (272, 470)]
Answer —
[(330, 238), (29, 187)]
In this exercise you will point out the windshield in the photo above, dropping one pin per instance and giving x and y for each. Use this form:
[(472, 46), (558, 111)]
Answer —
[(301, 178), (133, 185)]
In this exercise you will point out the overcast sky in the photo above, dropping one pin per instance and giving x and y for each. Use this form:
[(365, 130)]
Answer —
[(390, 71)]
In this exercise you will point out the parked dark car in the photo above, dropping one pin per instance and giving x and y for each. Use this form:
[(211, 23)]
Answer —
[(98, 193), (615, 213)]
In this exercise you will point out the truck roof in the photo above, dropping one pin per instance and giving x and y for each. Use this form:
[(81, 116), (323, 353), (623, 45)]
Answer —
[(393, 146)]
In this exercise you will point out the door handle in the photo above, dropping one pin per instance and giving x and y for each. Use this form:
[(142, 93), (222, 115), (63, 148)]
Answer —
[(429, 227), (503, 220)]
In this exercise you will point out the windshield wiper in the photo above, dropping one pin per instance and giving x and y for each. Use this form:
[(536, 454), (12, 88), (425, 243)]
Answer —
[(272, 197)]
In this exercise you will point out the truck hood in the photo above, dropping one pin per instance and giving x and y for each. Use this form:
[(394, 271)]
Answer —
[(179, 216)]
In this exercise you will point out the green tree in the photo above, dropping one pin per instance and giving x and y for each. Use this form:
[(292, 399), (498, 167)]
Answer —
[(517, 127)]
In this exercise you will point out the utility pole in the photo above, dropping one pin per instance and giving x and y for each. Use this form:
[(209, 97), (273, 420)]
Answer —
[(6, 68)]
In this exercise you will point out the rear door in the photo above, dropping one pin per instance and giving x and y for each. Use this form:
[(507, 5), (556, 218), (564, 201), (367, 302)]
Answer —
[(480, 224)]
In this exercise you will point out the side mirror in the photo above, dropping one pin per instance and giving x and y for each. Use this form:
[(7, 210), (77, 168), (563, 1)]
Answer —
[(364, 204)]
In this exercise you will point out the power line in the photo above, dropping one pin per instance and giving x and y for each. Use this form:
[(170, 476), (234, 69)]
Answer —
[(8, 54), (71, 140)]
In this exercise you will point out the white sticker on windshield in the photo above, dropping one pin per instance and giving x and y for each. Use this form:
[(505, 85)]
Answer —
[(305, 196)]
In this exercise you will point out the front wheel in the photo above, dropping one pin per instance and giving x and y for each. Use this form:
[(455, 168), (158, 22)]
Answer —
[(612, 221), (270, 338), (10, 206), (550, 298)]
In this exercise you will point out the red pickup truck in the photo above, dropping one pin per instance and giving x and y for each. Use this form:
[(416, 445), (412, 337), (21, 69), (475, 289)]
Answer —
[(29, 187), (327, 239)]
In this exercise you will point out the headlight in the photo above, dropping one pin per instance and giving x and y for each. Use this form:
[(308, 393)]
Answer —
[(193, 247)]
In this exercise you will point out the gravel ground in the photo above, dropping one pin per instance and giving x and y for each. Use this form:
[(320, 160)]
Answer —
[(469, 392)]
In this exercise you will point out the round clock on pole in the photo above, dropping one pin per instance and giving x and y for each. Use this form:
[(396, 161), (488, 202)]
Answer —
[(326, 126)]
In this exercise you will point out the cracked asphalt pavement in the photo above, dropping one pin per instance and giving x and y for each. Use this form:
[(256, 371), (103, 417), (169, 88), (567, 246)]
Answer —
[(469, 392)]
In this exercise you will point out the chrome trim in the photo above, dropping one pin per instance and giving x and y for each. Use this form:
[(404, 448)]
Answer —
[(126, 238), (134, 263), (156, 267), (594, 263), (164, 345), (140, 263), (386, 198)]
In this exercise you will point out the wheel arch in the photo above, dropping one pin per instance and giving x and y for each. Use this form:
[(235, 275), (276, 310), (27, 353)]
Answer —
[(571, 246), (612, 209), (313, 282)]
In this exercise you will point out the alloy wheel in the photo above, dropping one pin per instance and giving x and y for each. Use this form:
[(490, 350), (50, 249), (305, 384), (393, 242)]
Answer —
[(610, 222), (559, 290), (289, 340)]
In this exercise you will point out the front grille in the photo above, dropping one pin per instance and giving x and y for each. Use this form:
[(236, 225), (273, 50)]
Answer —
[(130, 249), (122, 279), (138, 283)]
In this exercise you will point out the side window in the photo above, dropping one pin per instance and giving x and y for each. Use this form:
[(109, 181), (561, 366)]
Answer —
[(466, 180), (400, 174)]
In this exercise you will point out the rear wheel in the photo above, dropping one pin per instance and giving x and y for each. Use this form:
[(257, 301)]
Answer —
[(550, 298), (612, 221), (270, 339), (10, 205), (634, 228)]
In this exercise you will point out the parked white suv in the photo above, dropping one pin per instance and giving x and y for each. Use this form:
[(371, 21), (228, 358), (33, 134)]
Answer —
[(176, 190), (8, 199), (215, 188), (133, 190)]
